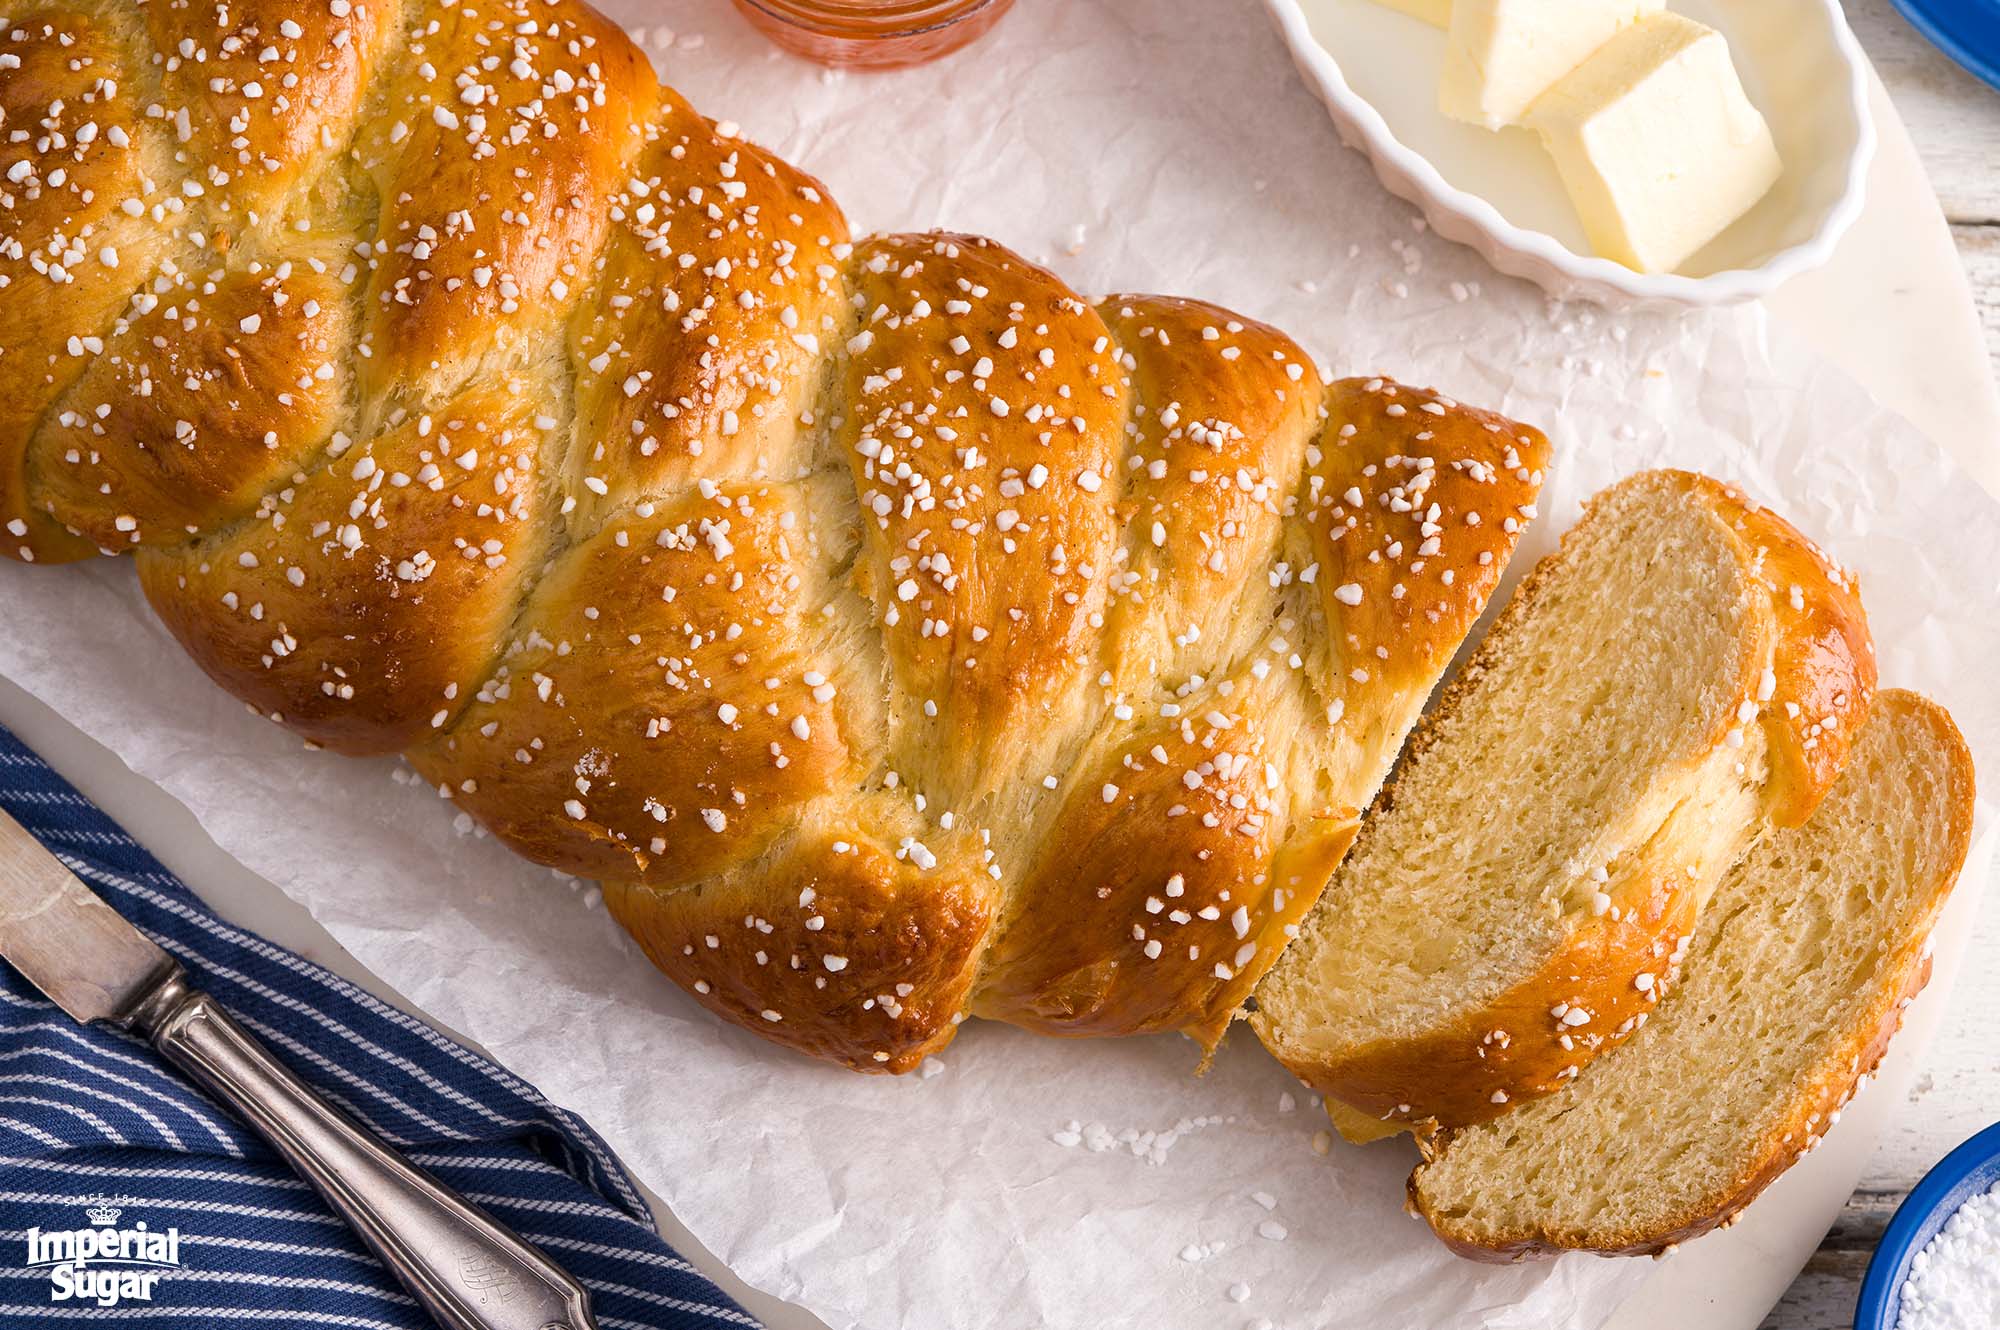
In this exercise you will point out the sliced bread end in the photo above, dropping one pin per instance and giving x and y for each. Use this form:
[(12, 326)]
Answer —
[(1684, 671), (1816, 941)]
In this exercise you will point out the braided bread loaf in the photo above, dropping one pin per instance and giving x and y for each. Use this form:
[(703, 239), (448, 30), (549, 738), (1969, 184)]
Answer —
[(896, 634)]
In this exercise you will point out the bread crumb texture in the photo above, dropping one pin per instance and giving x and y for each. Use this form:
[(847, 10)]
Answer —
[(1813, 945)]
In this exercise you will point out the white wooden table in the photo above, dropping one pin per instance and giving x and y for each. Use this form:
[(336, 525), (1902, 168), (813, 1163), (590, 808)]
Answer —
[(1955, 121)]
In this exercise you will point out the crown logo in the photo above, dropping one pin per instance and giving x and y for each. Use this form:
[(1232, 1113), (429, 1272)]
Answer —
[(102, 1215)]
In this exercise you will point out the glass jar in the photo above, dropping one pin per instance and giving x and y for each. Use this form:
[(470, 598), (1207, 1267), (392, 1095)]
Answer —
[(873, 34)]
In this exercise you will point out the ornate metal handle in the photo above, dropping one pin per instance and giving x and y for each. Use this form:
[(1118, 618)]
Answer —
[(467, 1271)]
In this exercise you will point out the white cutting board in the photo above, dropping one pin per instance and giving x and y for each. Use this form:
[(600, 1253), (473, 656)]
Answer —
[(1893, 310)]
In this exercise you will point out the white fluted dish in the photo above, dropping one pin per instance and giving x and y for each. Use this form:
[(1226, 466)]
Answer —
[(1376, 70)]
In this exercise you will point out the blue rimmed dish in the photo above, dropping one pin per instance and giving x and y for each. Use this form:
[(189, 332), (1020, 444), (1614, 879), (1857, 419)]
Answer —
[(1970, 1169), (1966, 30)]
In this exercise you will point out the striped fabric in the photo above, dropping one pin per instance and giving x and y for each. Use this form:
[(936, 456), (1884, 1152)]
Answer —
[(89, 1119)]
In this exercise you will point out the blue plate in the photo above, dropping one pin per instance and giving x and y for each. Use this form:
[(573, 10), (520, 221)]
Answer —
[(1966, 30), (1966, 1171)]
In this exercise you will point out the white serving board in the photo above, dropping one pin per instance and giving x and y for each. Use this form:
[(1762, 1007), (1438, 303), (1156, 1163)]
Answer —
[(1893, 310)]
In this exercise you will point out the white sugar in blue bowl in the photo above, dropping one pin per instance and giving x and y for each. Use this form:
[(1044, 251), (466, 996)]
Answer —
[(1969, 1173)]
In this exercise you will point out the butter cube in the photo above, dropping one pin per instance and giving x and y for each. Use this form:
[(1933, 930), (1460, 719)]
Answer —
[(1657, 143), (1503, 54), (1437, 13)]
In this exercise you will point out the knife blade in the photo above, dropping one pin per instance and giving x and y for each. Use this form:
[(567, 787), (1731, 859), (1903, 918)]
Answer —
[(66, 940), (464, 1267)]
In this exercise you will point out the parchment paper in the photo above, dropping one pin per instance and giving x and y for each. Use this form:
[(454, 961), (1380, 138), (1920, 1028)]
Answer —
[(1021, 1181)]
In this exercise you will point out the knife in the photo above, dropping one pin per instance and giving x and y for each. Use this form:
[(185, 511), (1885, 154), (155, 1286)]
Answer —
[(466, 1270)]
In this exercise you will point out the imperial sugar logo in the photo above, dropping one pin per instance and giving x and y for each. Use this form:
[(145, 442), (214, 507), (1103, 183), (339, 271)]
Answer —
[(103, 1262)]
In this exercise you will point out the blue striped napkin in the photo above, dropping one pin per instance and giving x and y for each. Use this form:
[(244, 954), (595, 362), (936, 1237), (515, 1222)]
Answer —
[(103, 1149)]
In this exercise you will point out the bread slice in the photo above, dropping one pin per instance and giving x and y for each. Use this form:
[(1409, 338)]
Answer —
[(1816, 940), (1684, 672)]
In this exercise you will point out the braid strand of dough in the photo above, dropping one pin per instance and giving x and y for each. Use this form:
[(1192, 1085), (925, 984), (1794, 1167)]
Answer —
[(898, 635)]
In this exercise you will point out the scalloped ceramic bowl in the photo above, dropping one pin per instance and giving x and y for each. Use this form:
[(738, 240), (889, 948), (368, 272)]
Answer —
[(1376, 70)]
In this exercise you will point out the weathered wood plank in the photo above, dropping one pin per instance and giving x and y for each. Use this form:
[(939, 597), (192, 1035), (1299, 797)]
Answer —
[(1822, 1297), (1954, 118), (1818, 1299), (1980, 248)]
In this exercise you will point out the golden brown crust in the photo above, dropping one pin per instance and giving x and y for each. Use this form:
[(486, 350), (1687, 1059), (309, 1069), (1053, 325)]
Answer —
[(1171, 879), (495, 185), (1415, 503), (843, 947), (1813, 1104), (702, 370), (656, 716), (463, 392), (1222, 410), (1822, 678), (362, 606), (1159, 896), (73, 255), (257, 88), (984, 410), (196, 411)]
